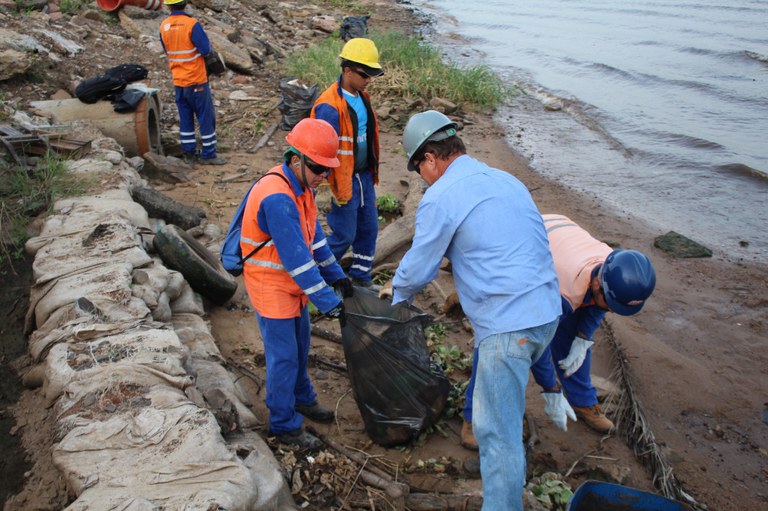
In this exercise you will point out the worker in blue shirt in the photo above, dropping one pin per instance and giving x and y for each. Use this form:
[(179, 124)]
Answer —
[(486, 223)]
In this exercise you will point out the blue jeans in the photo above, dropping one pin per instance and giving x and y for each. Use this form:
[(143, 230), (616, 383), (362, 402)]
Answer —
[(286, 349), (499, 404), (356, 224)]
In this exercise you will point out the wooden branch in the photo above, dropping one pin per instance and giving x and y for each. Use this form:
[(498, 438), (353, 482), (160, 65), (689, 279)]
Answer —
[(400, 232), (264, 139), (326, 334), (355, 456), (431, 502)]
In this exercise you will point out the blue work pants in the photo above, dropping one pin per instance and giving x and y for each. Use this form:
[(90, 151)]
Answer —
[(577, 388), (286, 349), (196, 101), (356, 224), (502, 376)]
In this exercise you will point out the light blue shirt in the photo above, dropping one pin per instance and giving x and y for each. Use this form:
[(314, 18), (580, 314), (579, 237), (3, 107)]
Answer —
[(361, 139), (486, 223)]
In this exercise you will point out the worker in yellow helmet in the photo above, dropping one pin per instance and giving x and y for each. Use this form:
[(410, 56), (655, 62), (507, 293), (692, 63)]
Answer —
[(349, 198), (186, 45)]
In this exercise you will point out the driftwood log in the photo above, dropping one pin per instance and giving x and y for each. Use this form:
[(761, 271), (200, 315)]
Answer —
[(400, 232)]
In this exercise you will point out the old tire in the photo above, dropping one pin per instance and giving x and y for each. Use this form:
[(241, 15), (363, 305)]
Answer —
[(183, 253)]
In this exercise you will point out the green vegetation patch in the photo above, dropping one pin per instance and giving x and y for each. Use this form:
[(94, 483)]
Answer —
[(413, 68), (28, 192)]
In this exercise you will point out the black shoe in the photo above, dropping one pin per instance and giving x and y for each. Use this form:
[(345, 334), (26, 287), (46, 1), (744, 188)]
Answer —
[(302, 439), (472, 468), (316, 412), (216, 160), (189, 159)]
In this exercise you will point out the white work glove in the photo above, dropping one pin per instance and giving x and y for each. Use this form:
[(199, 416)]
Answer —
[(576, 356), (324, 198), (558, 409)]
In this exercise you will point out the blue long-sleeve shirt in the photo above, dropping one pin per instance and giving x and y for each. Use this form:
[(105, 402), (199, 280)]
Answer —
[(486, 223), (312, 270)]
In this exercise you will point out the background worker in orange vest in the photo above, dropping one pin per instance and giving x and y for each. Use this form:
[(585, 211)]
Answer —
[(349, 198), (186, 45), (293, 267), (593, 279)]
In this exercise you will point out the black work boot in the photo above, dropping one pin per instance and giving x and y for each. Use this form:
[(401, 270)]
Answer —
[(316, 412), (302, 439)]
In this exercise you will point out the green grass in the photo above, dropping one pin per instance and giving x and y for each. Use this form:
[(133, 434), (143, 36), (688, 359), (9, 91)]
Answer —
[(413, 69), (388, 203), (26, 193)]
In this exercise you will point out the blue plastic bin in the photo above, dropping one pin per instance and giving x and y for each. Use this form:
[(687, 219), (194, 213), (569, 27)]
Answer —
[(600, 496)]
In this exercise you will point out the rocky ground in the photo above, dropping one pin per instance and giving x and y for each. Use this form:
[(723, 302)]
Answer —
[(693, 361)]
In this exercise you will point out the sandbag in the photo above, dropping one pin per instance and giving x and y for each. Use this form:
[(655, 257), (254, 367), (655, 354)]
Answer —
[(400, 392)]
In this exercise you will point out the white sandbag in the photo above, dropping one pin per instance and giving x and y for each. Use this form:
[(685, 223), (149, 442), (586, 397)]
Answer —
[(194, 332), (188, 302), (102, 281), (155, 275), (72, 319), (212, 376), (171, 452), (101, 245), (154, 351)]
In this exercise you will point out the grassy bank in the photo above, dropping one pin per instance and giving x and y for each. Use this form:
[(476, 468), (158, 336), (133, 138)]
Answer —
[(413, 69), (27, 192)]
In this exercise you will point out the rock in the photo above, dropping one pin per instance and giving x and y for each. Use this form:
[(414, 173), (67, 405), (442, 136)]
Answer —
[(234, 56), (324, 23), (443, 105), (679, 246), (166, 168), (13, 63), (61, 94), (553, 105)]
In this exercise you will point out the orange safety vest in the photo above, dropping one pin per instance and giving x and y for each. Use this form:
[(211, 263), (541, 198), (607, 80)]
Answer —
[(273, 293), (576, 253), (187, 65), (341, 177)]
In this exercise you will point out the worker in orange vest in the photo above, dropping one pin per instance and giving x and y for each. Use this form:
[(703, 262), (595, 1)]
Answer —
[(294, 265), (186, 45), (349, 198)]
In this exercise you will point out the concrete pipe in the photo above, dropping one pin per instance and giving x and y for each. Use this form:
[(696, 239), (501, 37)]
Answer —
[(113, 5), (138, 131)]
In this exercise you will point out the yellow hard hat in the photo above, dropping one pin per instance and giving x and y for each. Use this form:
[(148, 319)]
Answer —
[(363, 51), (173, 2)]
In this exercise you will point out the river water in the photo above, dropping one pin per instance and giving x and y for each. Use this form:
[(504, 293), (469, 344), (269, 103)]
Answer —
[(664, 104)]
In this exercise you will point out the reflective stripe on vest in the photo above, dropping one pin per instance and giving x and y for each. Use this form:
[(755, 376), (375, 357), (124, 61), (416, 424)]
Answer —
[(272, 290), (576, 253), (187, 66)]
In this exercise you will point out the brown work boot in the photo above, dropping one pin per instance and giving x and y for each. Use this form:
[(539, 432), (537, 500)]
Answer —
[(594, 417), (468, 437)]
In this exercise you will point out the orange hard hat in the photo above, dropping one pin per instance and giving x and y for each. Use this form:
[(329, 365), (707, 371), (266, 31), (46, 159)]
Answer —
[(317, 140)]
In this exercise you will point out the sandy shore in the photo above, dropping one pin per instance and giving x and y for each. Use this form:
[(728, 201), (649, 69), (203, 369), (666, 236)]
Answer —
[(695, 351)]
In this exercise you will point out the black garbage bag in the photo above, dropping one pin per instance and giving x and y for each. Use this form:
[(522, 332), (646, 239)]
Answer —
[(354, 26), (296, 102), (398, 390)]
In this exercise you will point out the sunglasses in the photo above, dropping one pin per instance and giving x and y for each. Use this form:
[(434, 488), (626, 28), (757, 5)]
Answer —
[(362, 74), (316, 168)]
